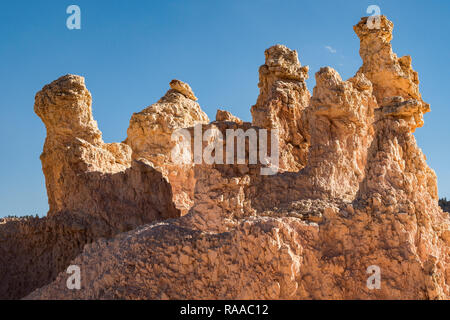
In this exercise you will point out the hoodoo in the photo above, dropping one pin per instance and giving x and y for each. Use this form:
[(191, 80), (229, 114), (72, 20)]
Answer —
[(353, 193)]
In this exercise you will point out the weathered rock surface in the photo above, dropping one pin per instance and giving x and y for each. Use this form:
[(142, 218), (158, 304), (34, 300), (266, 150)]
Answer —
[(85, 175), (33, 251), (282, 100), (151, 137), (353, 191), (391, 76), (223, 115), (183, 88), (94, 190)]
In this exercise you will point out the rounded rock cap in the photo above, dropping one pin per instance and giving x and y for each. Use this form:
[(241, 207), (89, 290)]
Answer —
[(183, 88)]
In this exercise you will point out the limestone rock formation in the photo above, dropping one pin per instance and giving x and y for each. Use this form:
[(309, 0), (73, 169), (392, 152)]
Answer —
[(83, 174), (202, 265), (391, 76), (33, 251), (353, 193), (223, 115), (151, 137), (150, 131), (183, 88), (94, 190), (341, 130), (282, 100)]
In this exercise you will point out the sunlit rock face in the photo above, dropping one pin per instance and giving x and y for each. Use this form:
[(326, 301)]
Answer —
[(352, 193), (84, 174), (393, 78), (150, 136), (281, 103)]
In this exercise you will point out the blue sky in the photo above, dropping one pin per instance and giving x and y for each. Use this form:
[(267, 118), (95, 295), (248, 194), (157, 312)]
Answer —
[(130, 50)]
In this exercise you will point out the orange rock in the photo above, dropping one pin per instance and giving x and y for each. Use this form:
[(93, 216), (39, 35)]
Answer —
[(354, 194)]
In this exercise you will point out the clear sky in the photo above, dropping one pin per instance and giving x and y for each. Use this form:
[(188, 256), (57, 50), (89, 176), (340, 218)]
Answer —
[(130, 50)]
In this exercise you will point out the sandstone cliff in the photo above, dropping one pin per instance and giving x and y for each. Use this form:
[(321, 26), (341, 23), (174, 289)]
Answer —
[(352, 190)]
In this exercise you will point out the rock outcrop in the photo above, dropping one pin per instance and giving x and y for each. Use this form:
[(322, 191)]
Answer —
[(152, 136), (395, 83), (282, 101), (353, 193), (341, 130), (223, 115), (85, 175), (94, 190)]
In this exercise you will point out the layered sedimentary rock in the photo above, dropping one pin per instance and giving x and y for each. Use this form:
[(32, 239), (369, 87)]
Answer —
[(353, 192)]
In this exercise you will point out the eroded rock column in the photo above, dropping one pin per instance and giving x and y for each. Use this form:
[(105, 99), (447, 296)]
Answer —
[(83, 174), (152, 135), (282, 100)]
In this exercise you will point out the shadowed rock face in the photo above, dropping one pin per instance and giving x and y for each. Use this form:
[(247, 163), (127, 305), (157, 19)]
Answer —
[(444, 204), (353, 191)]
